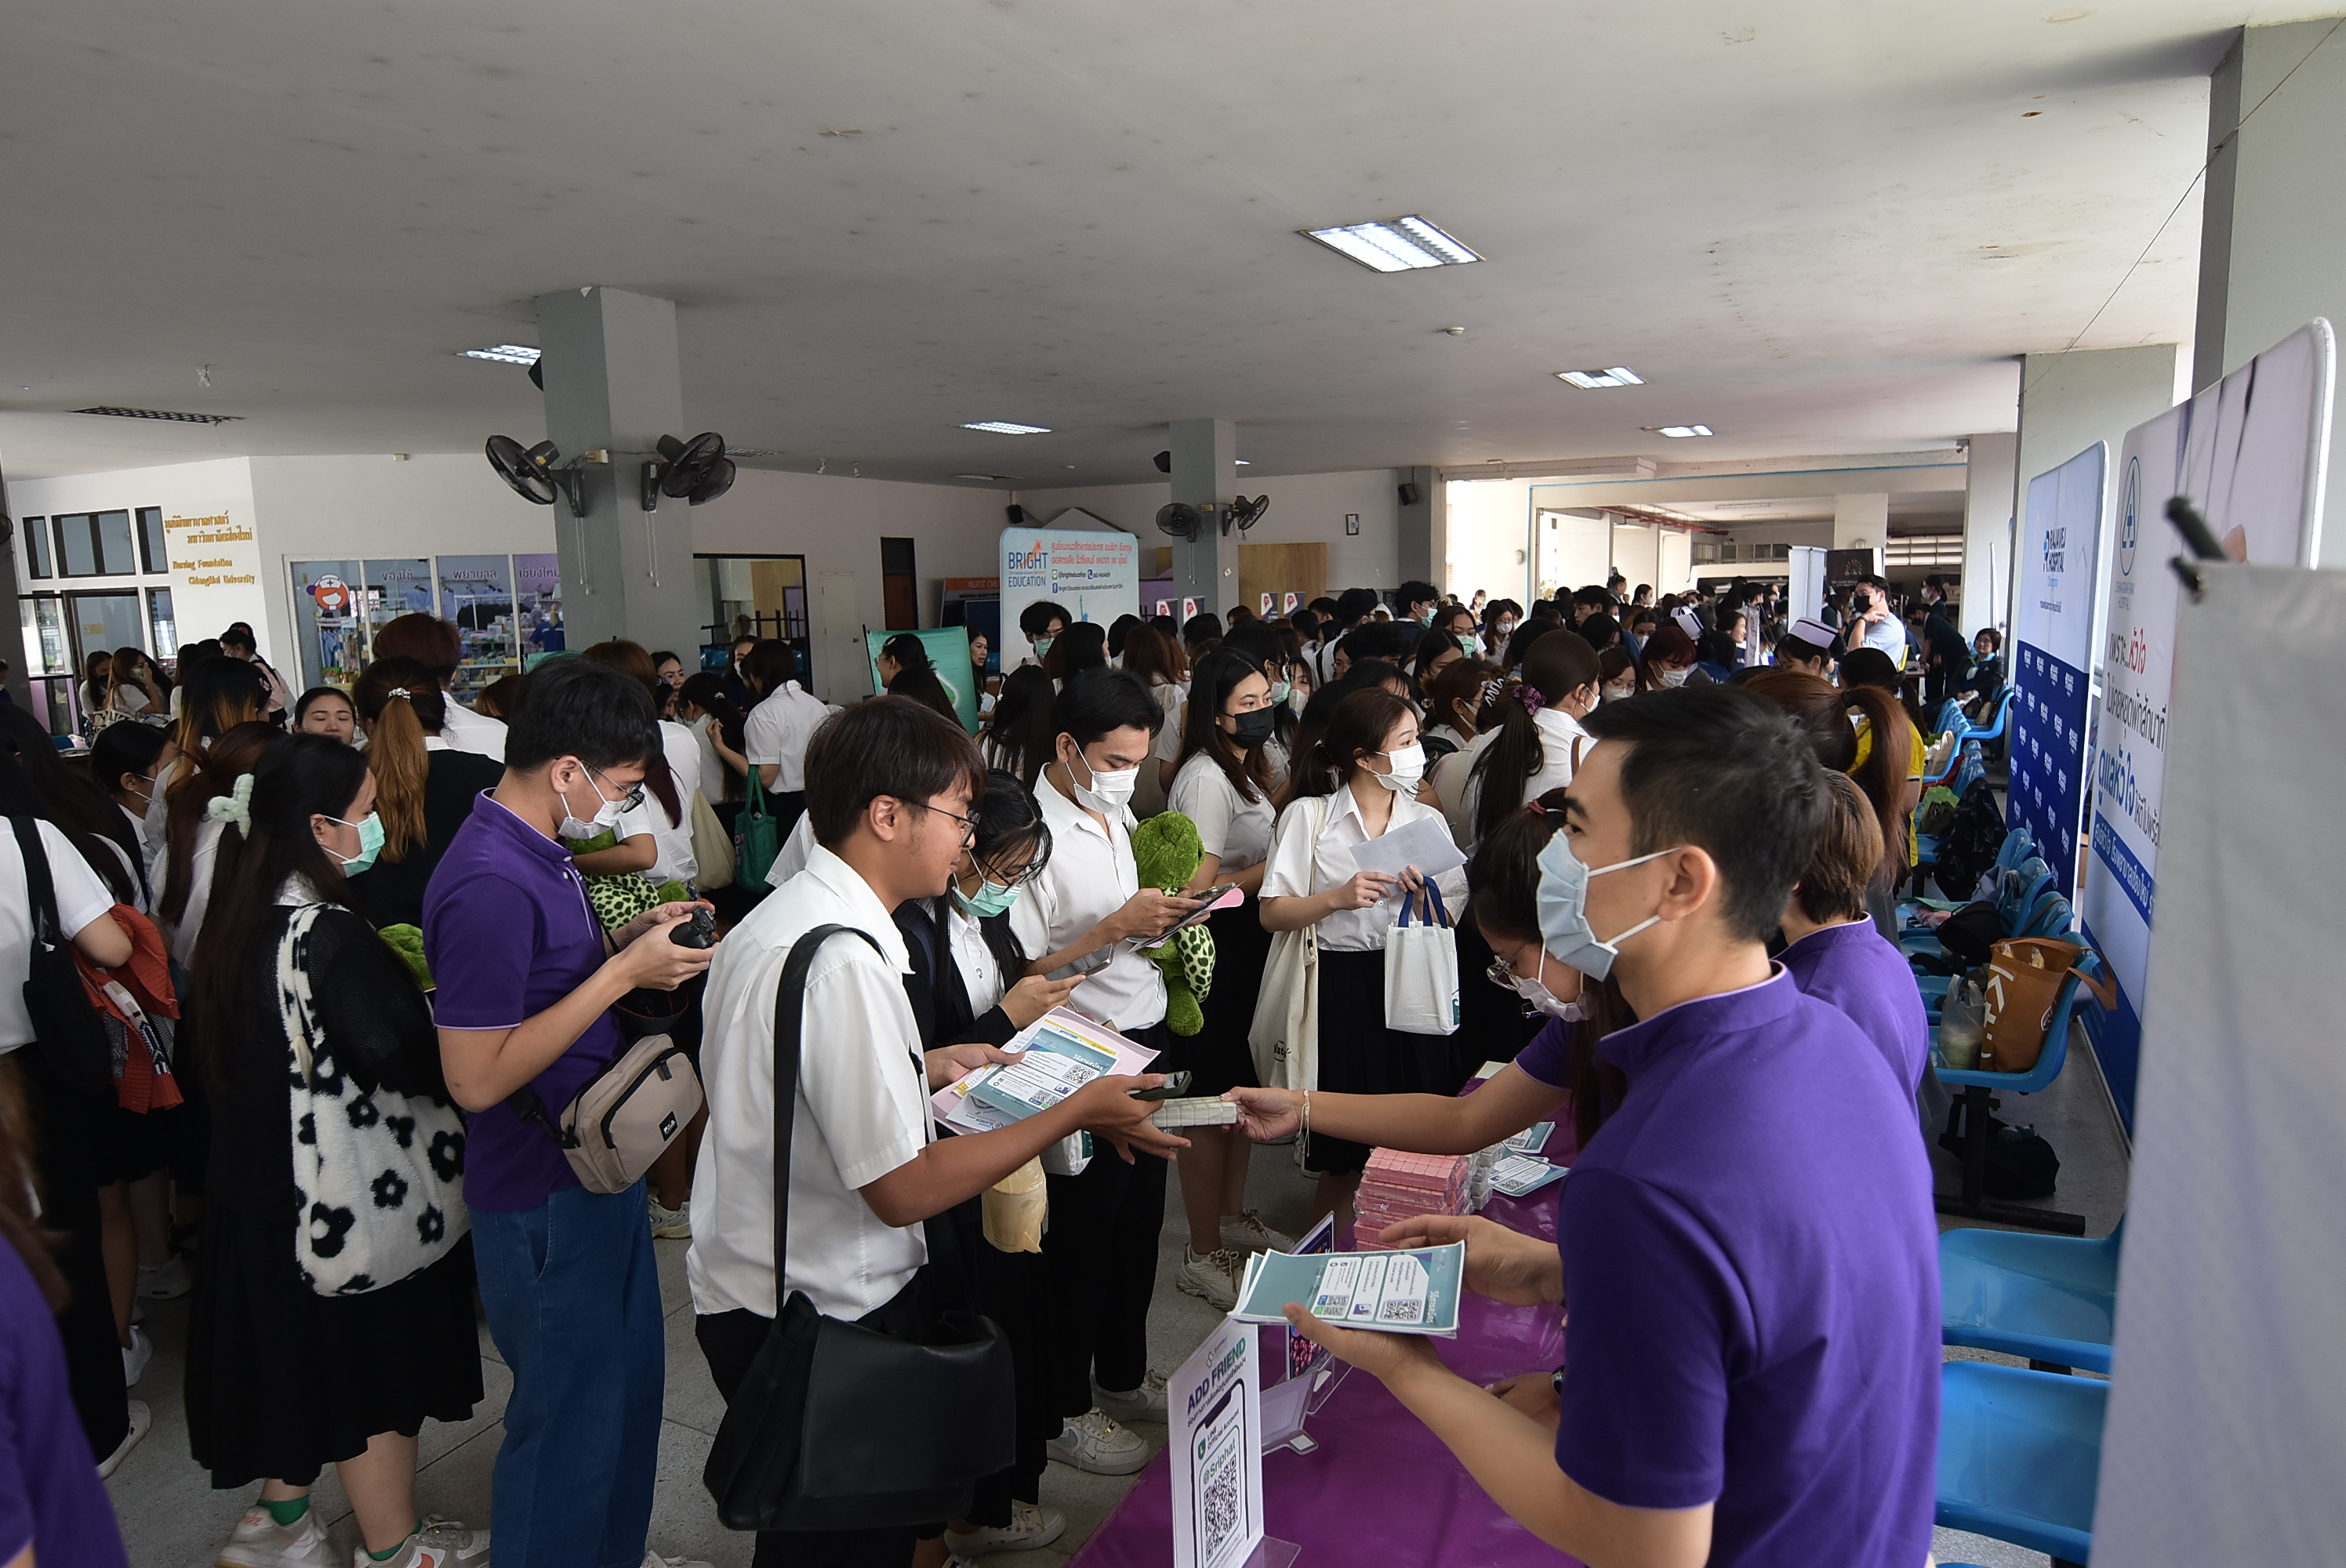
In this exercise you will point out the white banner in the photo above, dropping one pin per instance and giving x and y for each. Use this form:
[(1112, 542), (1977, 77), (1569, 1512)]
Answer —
[(1215, 1433), (1093, 574), (2248, 451), (215, 574), (2053, 627)]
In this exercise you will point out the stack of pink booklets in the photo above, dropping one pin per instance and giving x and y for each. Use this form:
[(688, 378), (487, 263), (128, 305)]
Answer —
[(1398, 1186)]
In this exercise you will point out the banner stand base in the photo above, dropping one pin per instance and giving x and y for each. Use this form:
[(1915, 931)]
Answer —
[(1273, 1552)]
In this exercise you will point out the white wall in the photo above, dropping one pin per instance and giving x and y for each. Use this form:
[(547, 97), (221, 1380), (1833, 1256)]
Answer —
[(1987, 533), (1490, 534), (1305, 508)]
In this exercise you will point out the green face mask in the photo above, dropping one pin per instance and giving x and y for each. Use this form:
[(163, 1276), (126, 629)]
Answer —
[(369, 843), (1279, 692), (990, 899)]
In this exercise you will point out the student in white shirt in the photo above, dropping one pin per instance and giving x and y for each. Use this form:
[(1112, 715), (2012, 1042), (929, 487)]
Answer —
[(776, 734), (1538, 741), (1359, 782), (892, 788), (1224, 786), (128, 762), (435, 642), (1101, 1252)]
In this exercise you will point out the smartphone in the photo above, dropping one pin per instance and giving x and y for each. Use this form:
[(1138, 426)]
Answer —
[(1091, 962), (1186, 921), (1176, 1085)]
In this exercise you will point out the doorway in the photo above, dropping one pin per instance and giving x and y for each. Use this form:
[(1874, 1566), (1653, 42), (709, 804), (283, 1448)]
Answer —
[(900, 586), (751, 596)]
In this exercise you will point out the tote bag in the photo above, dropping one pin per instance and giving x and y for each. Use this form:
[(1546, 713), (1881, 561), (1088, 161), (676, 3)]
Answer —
[(1422, 969), (713, 846), (1285, 1036), (757, 838)]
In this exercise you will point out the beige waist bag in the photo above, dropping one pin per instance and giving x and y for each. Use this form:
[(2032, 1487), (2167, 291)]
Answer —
[(626, 1117)]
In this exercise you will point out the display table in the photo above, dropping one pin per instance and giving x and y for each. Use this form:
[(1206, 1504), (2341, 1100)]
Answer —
[(1381, 1488)]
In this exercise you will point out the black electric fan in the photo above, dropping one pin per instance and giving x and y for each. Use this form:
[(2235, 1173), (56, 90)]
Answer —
[(1246, 514), (1180, 519), (530, 471), (691, 471)]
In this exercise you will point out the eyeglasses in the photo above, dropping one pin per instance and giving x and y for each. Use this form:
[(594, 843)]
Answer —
[(627, 802), (968, 824), (1026, 877)]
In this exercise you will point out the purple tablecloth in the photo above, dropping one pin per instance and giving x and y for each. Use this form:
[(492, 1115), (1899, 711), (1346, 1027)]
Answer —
[(1381, 1488)]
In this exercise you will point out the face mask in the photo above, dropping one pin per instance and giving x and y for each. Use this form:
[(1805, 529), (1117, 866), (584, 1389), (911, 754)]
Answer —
[(1281, 692), (1110, 791), (990, 899), (1297, 700), (369, 843), (1564, 909), (1544, 1000), (1507, 629), (1616, 693), (1043, 645), (1469, 646), (607, 815), (1673, 677), (1408, 768), (1425, 620), (1254, 727)]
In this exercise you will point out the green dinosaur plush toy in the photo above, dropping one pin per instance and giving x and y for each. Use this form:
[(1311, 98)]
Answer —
[(618, 897), (1166, 849)]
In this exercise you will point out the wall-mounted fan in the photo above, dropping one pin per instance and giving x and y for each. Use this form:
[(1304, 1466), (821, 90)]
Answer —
[(1180, 519), (1246, 514), (530, 471), (692, 471)]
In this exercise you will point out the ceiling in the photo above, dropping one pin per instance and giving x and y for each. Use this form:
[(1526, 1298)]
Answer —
[(1822, 227), (1911, 512)]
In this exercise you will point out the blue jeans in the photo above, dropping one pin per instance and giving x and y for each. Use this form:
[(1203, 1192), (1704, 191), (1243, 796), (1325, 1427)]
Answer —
[(573, 1306)]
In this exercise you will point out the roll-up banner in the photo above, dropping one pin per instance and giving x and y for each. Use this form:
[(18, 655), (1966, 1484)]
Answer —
[(2052, 627), (1092, 573)]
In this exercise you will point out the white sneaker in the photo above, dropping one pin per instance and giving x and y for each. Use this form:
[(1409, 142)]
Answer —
[(167, 1281), (1093, 1442), (437, 1544), (1144, 1403), (135, 1356), (260, 1542), (1030, 1527), (1213, 1276), (669, 1224), (1244, 1232), (142, 1422)]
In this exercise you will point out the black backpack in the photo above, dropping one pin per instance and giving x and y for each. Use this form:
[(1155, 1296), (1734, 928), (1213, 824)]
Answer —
[(1969, 846)]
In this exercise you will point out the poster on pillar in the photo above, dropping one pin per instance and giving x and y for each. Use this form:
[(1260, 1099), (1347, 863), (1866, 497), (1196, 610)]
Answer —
[(2248, 453), (216, 577), (1092, 573), (948, 651), (2052, 657)]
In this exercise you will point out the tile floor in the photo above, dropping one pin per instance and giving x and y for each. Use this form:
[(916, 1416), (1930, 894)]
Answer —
[(172, 1519)]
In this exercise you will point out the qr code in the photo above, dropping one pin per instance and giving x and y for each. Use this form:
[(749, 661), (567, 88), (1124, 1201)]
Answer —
[(1404, 1311), (1220, 1510)]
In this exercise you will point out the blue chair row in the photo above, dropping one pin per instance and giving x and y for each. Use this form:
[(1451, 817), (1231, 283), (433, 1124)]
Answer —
[(1971, 732), (1977, 1090), (2020, 1456)]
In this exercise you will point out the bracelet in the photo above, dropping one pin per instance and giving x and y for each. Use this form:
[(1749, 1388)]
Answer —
[(1307, 1113)]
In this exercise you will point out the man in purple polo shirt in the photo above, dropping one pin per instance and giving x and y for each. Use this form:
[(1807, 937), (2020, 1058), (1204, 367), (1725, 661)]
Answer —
[(1752, 1343), (527, 980)]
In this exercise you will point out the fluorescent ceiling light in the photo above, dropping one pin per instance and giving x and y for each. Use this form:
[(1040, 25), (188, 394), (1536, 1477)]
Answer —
[(1004, 427), (1240, 461), (504, 353), (986, 478), (1681, 430), (1592, 380), (1398, 245)]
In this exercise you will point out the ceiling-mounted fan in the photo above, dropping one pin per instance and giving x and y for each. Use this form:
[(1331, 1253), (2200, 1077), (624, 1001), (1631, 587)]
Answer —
[(530, 471), (691, 471)]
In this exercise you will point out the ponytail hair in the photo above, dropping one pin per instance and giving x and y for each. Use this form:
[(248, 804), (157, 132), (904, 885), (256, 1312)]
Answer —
[(1359, 725), (210, 775), (706, 691), (1881, 775), (1556, 665), (401, 703)]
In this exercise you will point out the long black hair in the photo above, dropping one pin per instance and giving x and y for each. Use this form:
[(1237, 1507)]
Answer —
[(1216, 675), (1009, 823), (1557, 665), (77, 807), (1021, 733), (706, 691)]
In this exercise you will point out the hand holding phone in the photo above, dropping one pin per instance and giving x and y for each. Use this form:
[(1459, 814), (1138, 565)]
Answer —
[(1176, 1085), (1089, 964)]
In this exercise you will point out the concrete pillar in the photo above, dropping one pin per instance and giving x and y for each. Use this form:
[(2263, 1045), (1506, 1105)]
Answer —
[(1206, 474), (613, 383), (1862, 521), (2272, 229), (1423, 528), (1987, 531), (2068, 401)]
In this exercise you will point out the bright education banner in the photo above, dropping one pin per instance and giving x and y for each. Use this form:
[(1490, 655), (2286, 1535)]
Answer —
[(2052, 657), (1092, 573)]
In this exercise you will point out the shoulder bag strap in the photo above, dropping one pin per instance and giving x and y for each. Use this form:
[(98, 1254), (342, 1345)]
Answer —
[(39, 889), (790, 1020)]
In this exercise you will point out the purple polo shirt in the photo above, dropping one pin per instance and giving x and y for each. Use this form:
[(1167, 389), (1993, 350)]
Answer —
[(50, 1497), (1854, 968), (508, 934), (1545, 1058), (1751, 1268)]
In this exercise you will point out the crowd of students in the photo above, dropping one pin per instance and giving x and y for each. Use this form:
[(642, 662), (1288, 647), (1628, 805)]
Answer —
[(340, 953)]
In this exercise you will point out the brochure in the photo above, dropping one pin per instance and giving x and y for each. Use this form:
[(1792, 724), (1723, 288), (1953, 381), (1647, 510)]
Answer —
[(1531, 1140), (1410, 1292), (1516, 1175), (1058, 1053)]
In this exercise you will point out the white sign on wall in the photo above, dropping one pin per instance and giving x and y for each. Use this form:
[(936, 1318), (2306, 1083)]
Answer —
[(1093, 574), (2249, 452), (215, 574)]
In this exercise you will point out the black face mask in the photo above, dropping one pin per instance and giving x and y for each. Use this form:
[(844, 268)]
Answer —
[(1254, 727)]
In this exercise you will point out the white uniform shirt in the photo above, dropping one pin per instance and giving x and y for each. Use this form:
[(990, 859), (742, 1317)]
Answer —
[(1559, 735), (861, 1111), (1229, 825), (791, 858), (1090, 877), (981, 973), (674, 859), (475, 732), (1299, 866), (776, 733), (180, 939), (714, 775), (1175, 701), (81, 899)]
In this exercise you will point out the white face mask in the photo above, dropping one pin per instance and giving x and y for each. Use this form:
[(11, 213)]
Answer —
[(1408, 768), (1110, 791), (1545, 1002), (1625, 689), (1505, 630), (607, 815), (1675, 677)]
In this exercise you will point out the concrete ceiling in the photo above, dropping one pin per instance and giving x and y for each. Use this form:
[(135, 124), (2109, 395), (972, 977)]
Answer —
[(1822, 227), (1912, 512)]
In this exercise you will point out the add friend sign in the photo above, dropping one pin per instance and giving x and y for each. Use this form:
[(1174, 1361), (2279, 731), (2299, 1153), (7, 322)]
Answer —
[(1214, 1410), (2052, 648)]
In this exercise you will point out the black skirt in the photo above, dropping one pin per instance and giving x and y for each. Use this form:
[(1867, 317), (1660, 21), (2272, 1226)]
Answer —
[(1218, 1058), (283, 1381), (1359, 1055)]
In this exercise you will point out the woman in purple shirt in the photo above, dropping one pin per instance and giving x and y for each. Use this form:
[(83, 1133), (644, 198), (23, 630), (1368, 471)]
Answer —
[(1837, 955)]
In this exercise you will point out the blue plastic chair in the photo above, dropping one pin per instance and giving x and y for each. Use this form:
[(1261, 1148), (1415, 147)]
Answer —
[(1971, 732), (1977, 1092), (2021, 890), (2052, 1298), (2020, 1456)]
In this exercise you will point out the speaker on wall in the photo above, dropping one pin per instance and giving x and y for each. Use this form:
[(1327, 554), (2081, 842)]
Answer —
[(1015, 513), (1408, 495)]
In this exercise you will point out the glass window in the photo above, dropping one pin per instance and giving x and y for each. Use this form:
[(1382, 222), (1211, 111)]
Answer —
[(326, 621), (114, 555), (537, 592), (103, 623), (45, 635), (95, 544), (162, 628), (35, 533), (395, 588), (76, 551), (476, 593), (154, 550)]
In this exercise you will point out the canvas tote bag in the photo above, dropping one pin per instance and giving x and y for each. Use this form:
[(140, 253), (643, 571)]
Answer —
[(1285, 1036), (1422, 969)]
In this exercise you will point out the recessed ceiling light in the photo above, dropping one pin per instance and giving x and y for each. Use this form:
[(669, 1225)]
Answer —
[(1004, 427), (1679, 431), (1396, 245), (1241, 462), (504, 353), (1619, 376)]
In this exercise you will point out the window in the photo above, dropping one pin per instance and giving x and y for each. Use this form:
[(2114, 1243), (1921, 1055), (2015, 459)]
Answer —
[(95, 544), (35, 533), (164, 630), (154, 550)]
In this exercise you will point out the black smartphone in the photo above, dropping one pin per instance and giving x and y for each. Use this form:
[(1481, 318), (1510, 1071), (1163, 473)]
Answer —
[(1091, 962), (1176, 1085), (1197, 917)]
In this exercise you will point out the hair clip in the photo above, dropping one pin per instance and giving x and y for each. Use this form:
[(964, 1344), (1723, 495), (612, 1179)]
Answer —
[(396, 691), (235, 807), (1491, 689), (1534, 807)]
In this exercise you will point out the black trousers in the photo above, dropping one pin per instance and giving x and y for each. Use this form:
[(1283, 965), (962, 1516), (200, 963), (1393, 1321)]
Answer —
[(65, 1131), (1010, 1288), (1099, 1271)]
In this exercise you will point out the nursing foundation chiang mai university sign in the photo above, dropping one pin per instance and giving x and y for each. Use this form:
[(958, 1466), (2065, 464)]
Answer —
[(2248, 453), (2053, 655), (1093, 574), (216, 574)]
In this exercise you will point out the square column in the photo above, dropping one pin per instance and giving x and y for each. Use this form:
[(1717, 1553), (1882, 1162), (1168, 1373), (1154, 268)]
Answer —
[(1206, 474), (1862, 521), (1987, 531)]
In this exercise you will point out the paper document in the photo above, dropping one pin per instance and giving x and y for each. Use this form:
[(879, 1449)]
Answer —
[(1058, 1053), (1519, 1174), (1413, 1292), (1424, 843), (1531, 1140)]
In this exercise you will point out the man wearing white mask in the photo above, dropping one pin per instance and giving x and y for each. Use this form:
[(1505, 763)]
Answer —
[(1100, 1253)]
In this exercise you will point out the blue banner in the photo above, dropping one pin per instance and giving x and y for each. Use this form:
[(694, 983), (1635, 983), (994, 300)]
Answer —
[(2047, 789)]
